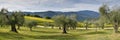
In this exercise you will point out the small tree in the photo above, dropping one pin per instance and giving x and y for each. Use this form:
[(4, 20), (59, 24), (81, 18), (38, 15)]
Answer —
[(86, 24), (101, 22), (49, 24), (31, 24), (38, 16), (48, 17)]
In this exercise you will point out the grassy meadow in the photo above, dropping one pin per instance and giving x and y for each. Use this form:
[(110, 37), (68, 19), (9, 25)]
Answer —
[(38, 19), (55, 34), (41, 21)]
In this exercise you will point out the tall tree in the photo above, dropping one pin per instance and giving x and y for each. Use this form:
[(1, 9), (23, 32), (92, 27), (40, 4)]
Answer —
[(111, 15), (114, 18), (104, 15), (12, 19), (15, 19)]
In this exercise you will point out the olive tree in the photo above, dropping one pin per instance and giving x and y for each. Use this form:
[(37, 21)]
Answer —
[(72, 21), (86, 22), (20, 19), (114, 18), (31, 24), (15, 19), (65, 22), (111, 15), (104, 15), (3, 18), (10, 19), (49, 24)]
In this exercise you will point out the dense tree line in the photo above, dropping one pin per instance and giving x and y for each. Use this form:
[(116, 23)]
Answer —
[(33, 15)]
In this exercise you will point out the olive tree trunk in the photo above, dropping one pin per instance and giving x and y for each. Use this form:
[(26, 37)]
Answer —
[(116, 27), (13, 28), (96, 28), (30, 28), (64, 29), (18, 27), (52, 27), (103, 26), (60, 28), (86, 27)]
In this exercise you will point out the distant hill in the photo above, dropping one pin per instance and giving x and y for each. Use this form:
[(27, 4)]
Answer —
[(81, 15)]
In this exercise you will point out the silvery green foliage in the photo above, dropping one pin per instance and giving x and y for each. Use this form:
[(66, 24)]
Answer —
[(111, 15), (70, 21), (3, 17)]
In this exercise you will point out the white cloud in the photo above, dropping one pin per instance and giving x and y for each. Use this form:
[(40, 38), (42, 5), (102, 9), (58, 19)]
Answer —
[(81, 6)]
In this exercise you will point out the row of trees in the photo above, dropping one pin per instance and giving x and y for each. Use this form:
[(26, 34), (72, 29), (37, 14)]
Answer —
[(35, 15), (15, 19), (107, 16)]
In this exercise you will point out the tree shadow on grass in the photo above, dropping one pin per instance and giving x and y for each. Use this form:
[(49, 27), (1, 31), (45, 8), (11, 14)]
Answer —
[(23, 29), (58, 37), (10, 35), (92, 33), (21, 36), (84, 30), (44, 31), (116, 32)]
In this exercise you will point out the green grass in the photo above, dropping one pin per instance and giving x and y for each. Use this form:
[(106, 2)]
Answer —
[(38, 19), (41, 21), (56, 34)]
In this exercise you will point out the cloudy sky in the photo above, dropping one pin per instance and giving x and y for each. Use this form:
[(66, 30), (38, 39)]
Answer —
[(55, 5)]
